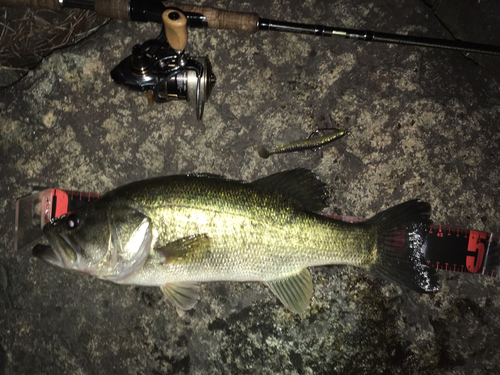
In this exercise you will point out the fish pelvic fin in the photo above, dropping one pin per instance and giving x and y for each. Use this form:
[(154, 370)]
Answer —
[(301, 185), (293, 291), (182, 295), (401, 246)]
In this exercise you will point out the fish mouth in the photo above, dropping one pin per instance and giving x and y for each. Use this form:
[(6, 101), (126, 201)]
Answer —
[(48, 254), (60, 253)]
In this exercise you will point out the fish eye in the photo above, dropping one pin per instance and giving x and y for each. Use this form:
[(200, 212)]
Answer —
[(72, 221)]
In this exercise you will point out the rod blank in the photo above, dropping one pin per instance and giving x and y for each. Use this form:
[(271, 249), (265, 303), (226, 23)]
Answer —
[(372, 36)]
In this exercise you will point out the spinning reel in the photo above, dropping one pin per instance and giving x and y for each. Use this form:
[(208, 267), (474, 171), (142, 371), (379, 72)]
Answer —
[(162, 69)]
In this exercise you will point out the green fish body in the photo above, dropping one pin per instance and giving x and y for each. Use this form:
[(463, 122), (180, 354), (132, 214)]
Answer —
[(174, 232)]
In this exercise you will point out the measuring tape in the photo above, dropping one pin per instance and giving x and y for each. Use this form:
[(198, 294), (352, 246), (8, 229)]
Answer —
[(463, 250), (448, 248)]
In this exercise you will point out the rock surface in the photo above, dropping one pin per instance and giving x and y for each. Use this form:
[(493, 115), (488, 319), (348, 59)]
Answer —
[(424, 124)]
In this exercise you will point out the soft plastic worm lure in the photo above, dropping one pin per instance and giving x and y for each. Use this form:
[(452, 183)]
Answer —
[(309, 143)]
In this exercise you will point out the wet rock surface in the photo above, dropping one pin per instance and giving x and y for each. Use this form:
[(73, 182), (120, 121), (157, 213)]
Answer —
[(424, 124)]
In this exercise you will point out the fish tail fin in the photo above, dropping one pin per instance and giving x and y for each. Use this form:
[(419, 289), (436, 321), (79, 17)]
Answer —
[(401, 246)]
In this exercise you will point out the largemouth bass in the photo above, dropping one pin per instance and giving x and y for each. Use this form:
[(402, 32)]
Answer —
[(174, 232)]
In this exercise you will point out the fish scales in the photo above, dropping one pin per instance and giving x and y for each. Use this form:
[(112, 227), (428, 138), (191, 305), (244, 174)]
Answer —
[(255, 236)]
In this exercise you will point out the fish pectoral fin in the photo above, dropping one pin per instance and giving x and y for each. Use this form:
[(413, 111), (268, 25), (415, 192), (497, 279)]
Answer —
[(300, 184), (186, 249), (294, 291), (183, 295)]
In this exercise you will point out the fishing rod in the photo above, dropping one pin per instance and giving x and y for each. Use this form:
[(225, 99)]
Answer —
[(162, 69), (200, 17), (447, 248)]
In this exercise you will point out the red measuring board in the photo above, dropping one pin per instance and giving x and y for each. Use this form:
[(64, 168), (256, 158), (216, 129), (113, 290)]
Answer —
[(66, 201), (456, 249), (35, 210)]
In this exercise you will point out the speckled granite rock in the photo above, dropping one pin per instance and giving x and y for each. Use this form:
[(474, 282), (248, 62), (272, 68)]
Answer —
[(424, 125)]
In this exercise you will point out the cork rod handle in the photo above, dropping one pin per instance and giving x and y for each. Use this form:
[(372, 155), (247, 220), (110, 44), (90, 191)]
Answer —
[(220, 18)]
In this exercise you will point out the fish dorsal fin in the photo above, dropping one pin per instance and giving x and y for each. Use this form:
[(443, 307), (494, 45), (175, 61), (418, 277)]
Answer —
[(294, 291), (183, 295), (212, 176), (299, 184), (186, 249)]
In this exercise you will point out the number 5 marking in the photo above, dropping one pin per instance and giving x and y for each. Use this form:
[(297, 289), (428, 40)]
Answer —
[(475, 246)]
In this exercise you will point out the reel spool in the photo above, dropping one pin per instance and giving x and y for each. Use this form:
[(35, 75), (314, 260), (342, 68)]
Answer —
[(162, 69)]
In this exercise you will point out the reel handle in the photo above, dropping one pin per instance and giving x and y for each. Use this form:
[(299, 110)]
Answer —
[(175, 29), (220, 18)]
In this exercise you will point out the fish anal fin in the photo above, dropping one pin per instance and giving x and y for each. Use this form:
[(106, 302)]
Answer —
[(186, 249), (183, 295), (293, 291)]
